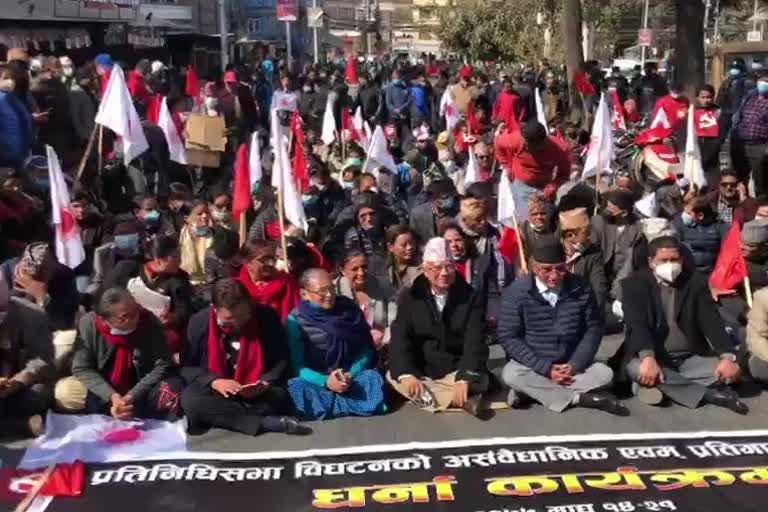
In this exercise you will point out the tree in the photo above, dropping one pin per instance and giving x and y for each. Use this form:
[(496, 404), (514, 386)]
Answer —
[(689, 44)]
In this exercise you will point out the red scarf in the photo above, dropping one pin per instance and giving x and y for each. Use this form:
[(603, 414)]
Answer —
[(123, 376), (250, 360), (280, 293)]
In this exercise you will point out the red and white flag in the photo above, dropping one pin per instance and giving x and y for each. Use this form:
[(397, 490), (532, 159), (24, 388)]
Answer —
[(328, 133), (64, 480), (540, 115), (472, 174), (505, 215), (255, 171), (361, 128), (241, 188), (379, 151), (449, 110), (601, 150), (69, 245), (282, 177), (692, 165), (176, 149), (116, 112), (617, 119)]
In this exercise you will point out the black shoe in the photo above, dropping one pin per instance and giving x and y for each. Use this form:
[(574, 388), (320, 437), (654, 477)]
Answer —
[(603, 403), (293, 427), (725, 398), (477, 406)]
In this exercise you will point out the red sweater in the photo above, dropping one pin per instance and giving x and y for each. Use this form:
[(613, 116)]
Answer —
[(509, 109), (550, 165)]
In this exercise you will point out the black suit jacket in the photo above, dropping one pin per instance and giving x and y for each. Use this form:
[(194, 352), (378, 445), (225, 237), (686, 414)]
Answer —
[(697, 316)]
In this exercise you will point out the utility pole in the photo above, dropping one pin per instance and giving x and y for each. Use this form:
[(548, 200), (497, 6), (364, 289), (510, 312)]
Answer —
[(288, 44), (645, 26), (754, 18), (224, 34), (314, 37)]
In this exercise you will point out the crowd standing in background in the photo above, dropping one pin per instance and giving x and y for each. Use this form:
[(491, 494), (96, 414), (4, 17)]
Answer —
[(368, 229)]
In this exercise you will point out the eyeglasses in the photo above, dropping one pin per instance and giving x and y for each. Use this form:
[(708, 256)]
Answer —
[(437, 268), (328, 291), (559, 269), (482, 157)]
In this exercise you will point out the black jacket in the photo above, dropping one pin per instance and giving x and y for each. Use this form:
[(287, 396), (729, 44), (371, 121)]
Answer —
[(697, 316), (194, 356), (428, 344), (590, 266)]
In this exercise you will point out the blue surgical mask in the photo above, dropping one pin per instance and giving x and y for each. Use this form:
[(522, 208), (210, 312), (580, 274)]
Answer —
[(445, 204), (151, 216), (202, 231), (688, 219), (396, 81), (734, 72), (127, 242), (762, 87), (309, 199)]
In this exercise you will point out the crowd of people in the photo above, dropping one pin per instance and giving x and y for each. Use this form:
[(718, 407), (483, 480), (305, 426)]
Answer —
[(403, 277)]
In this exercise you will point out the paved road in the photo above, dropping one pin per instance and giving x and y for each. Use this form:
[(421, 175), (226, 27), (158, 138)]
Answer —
[(409, 424)]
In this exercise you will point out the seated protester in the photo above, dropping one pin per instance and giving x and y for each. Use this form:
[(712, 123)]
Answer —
[(367, 235), (730, 200), (195, 238), (160, 274), (550, 327), (221, 210), (179, 200), (582, 257), (262, 217), (616, 231), (26, 366), (700, 231), (461, 251), (91, 226), (153, 220), (438, 355), (330, 193), (332, 354), (372, 296), (540, 222), (757, 336), (43, 283), (443, 205), (676, 341), (125, 245), (265, 284), (235, 365), (491, 270), (120, 363), (401, 248), (221, 259)]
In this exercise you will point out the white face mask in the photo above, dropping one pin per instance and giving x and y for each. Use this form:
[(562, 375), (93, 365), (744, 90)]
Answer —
[(68, 71), (211, 103), (668, 272), (120, 332)]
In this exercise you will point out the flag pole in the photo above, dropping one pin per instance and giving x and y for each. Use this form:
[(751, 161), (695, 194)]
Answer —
[(88, 150), (281, 218), (101, 147), (748, 291), (520, 248), (243, 234), (24, 504)]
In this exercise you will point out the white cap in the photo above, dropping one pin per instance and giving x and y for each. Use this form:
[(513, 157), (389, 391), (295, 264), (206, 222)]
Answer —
[(36, 64), (66, 61), (157, 66), (436, 251)]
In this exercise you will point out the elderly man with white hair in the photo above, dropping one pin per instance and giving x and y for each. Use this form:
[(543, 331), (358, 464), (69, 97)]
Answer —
[(438, 355)]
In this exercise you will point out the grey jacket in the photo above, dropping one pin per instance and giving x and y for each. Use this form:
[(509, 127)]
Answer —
[(93, 358), (26, 350)]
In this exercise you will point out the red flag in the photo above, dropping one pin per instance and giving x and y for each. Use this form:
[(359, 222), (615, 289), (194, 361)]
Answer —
[(617, 119), (192, 87), (350, 73), (65, 480), (472, 122), (508, 245), (347, 125), (300, 167), (241, 196), (153, 109), (583, 85), (730, 269)]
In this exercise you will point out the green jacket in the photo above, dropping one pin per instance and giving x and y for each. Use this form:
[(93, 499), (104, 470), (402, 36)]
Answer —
[(93, 359)]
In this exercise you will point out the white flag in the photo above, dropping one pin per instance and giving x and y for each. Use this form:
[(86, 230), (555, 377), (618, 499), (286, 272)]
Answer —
[(601, 142), (647, 205), (282, 177), (540, 109), (692, 168), (117, 113), (506, 202), (379, 151), (175, 146), (328, 133), (255, 171), (449, 110), (363, 136), (69, 245), (472, 175)]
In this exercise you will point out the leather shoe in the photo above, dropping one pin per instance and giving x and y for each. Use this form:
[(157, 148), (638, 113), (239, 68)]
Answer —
[(725, 398), (603, 403), (477, 407), (293, 427)]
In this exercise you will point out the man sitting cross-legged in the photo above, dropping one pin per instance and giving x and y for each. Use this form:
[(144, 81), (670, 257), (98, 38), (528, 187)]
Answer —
[(550, 327)]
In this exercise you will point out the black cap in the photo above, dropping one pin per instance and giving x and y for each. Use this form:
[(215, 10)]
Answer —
[(624, 199), (225, 243), (548, 250)]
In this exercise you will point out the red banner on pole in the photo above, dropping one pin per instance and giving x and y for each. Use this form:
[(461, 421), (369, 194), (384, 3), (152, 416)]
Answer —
[(287, 10)]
